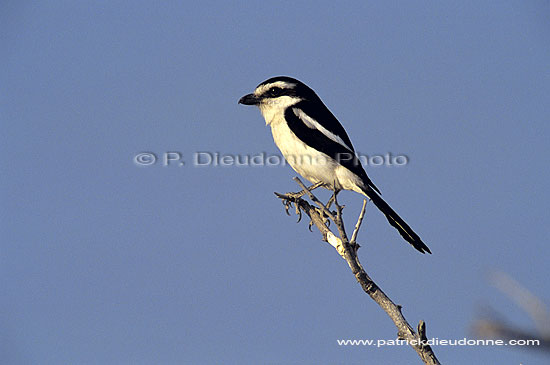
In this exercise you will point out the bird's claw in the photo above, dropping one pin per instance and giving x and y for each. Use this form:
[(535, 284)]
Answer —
[(287, 204), (298, 213), (325, 218), (287, 200)]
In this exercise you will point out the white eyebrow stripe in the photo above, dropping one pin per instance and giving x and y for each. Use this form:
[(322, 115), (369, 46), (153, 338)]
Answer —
[(282, 84), (313, 124)]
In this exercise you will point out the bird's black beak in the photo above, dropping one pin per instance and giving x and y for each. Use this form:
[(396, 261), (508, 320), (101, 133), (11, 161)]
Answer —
[(249, 99)]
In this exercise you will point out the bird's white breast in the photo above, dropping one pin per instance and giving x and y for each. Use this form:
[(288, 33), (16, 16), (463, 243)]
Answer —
[(308, 162)]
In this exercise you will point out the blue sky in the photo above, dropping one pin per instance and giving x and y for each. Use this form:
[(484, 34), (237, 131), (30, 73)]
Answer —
[(106, 261)]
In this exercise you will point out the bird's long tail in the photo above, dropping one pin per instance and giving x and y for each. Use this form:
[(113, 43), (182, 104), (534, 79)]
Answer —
[(396, 221)]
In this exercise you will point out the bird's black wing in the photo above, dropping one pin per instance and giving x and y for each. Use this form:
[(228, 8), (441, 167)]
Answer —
[(319, 112), (317, 135)]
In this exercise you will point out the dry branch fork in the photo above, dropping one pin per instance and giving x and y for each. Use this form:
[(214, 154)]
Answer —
[(321, 216)]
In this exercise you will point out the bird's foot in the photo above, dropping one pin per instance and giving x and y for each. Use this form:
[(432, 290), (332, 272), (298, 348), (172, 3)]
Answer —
[(288, 199), (294, 196)]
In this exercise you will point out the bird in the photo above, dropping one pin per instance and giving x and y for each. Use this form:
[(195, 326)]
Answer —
[(316, 145)]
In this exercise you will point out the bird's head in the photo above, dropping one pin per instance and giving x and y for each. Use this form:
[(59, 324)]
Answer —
[(275, 95)]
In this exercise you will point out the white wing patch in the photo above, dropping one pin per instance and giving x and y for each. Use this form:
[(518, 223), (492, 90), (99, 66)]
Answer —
[(313, 124)]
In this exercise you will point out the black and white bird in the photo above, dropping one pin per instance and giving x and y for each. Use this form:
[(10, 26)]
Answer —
[(316, 145)]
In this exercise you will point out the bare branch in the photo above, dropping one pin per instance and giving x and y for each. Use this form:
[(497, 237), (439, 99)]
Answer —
[(487, 328), (530, 303), (359, 221), (347, 249), (497, 327), (315, 200)]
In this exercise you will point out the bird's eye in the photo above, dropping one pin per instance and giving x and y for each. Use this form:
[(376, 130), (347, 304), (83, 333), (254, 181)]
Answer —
[(275, 91)]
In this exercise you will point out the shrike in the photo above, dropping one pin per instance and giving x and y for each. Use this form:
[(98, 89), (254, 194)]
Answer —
[(316, 145)]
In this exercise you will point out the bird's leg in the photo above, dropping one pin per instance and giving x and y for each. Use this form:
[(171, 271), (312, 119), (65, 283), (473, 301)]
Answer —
[(303, 192), (290, 198), (338, 206), (329, 203), (333, 198)]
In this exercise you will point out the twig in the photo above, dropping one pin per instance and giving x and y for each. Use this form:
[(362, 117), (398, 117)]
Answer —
[(324, 209), (417, 340), (486, 328), (496, 326), (315, 200), (359, 221), (524, 298)]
